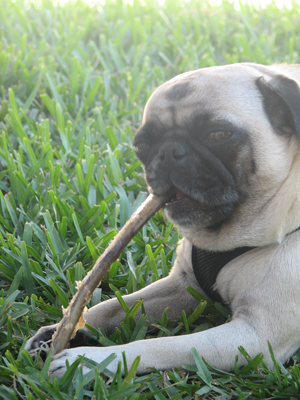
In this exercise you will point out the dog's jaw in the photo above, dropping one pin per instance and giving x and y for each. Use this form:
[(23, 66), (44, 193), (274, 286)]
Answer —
[(191, 206)]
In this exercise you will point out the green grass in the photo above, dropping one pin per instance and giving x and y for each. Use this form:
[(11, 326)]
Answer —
[(73, 83)]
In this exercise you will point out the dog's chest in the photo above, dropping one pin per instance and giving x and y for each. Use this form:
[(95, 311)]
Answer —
[(262, 273), (207, 265)]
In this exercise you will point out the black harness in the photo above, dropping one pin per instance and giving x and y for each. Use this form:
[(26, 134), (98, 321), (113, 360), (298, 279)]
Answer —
[(207, 265)]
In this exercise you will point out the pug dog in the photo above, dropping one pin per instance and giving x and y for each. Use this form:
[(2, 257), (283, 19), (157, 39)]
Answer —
[(226, 141)]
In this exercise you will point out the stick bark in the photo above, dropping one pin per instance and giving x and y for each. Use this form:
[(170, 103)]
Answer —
[(93, 279)]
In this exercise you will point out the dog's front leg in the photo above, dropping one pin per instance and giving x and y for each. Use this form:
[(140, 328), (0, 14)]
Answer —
[(167, 292), (218, 346)]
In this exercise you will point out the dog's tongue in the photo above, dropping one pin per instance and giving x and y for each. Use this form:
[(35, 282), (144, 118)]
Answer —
[(180, 194)]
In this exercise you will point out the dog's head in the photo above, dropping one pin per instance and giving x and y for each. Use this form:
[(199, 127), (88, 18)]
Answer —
[(226, 141)]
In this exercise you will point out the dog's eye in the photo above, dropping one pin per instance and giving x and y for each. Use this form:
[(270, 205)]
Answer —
[(219, 137)]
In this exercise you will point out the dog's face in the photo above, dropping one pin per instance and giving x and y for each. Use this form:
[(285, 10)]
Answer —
[(225, 141)]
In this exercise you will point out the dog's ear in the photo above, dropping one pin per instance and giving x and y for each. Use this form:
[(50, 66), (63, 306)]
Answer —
[(281, 97)]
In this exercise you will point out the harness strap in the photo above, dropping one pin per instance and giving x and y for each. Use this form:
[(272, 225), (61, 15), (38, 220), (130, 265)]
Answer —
[(207, 265)]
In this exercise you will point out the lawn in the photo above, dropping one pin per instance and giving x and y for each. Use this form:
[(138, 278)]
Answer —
[(74, 80)]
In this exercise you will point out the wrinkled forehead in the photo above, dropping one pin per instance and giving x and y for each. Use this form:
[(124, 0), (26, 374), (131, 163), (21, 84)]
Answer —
[(217, 90)]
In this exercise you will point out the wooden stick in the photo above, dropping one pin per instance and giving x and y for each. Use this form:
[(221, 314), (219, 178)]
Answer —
[(93, 279)]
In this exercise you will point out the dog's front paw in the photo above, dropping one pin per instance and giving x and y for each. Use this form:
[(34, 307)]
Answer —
[(58, 365), (41, 341), (98, 354)]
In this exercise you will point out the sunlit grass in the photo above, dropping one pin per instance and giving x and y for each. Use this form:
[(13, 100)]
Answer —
[(74, 79)]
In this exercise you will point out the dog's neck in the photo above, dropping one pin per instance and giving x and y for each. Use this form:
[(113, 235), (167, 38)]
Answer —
[(207, 265)]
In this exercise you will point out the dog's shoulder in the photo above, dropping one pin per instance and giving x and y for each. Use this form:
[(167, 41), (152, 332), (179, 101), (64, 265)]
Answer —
[(262, 270)]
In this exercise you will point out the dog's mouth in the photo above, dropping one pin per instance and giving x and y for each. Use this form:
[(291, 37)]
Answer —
[(180, 197), (195, 208), (186, 211)]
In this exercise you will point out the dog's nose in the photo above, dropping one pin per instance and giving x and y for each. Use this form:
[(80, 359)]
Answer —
[(172, 151)]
